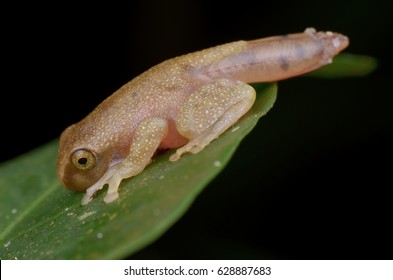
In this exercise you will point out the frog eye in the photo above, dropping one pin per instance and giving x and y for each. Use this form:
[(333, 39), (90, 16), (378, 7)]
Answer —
[(83, 159)]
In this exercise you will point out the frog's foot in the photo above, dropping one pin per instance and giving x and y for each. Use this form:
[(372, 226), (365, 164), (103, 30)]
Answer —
[(112, 193), (107, 178), (194, 146)]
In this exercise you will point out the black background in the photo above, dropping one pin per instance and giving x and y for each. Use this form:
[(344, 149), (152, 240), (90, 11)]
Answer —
[(312, 181)]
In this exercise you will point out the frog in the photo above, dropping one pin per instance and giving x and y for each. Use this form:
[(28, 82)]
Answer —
[(183, 103)]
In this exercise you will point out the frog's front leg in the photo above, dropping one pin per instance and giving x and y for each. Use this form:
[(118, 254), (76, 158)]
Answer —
[(210, 111), (146, 140)]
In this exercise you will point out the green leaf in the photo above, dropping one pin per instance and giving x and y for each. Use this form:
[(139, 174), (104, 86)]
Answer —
[(41, 220), (347, 65)]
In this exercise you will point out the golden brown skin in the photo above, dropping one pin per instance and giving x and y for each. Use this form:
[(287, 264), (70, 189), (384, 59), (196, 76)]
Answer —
[(185, 102)]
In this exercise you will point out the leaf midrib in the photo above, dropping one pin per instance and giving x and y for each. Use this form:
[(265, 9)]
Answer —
[(28, 210)]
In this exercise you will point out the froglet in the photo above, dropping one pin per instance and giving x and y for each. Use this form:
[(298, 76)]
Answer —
[(184, 103)]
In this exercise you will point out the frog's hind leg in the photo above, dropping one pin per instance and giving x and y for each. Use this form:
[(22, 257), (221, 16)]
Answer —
[(210, 111)]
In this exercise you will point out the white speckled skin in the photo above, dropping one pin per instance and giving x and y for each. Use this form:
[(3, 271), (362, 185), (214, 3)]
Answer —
[(185, 102)]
